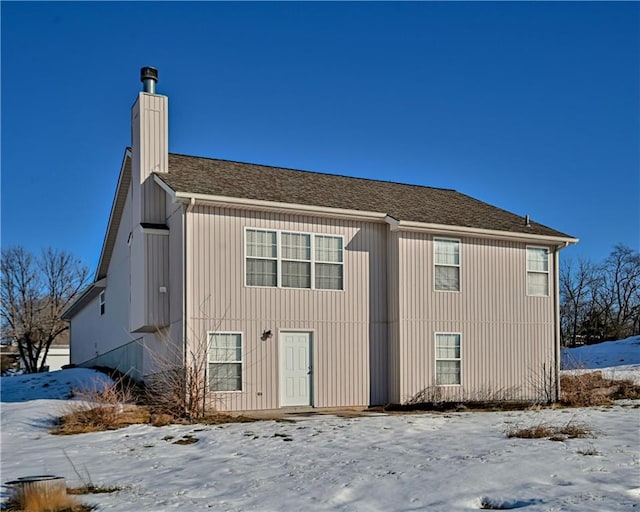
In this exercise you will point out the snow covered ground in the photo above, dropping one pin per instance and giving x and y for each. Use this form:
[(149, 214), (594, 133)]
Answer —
[(617, 359), (424, 461)]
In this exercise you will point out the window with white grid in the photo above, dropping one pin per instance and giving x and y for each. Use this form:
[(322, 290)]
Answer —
[(262, 257), (538, 271), (294, 260), (447, 359), (328, 262), (225, 361), (446, 257)]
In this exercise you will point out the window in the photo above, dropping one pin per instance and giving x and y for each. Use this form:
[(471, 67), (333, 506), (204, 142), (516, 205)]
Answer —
[(328, 262), (102, 303), (538, 271), (225, 361), (447, 359), (294, 260), (262, 254), (446, 257)]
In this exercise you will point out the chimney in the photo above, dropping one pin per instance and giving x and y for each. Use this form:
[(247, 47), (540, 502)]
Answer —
[(149, 149), (149, 239), (149, 79)]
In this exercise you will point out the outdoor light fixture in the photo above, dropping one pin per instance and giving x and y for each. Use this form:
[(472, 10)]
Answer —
[(266, 335)]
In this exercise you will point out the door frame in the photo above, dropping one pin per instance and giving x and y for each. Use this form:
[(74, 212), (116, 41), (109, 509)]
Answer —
[(311, 333)]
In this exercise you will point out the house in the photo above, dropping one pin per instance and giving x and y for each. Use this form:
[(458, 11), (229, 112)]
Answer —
[(311, 289)]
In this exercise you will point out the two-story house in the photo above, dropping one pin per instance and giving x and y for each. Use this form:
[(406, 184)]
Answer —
[(311, 289)]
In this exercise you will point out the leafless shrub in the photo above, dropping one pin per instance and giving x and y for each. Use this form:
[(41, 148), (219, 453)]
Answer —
[(438, 398), (544, 384), (179, 387), (430, 395), (178, 390)]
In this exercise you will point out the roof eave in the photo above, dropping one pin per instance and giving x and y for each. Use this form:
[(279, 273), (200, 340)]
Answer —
[(444, 229), (395, 224), (90, 293), (124, 180), (237, 202)]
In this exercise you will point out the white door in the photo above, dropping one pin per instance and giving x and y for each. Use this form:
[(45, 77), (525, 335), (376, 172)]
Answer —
[(295, 369)]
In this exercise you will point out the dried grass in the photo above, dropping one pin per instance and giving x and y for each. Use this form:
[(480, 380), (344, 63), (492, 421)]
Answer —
[(37, 500), (593, 389), (554, 433), (93, 489), (104, 407)]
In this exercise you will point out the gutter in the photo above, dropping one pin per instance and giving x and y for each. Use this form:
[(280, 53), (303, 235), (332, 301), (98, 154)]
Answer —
[(446, 229), (556, 313), (187, 209), (395, 224)]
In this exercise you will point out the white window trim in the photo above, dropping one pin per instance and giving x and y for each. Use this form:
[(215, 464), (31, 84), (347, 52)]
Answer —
[(436, 359), (547, 272), (241, 390), (279, 259), (102, 303), (459, 265), (245, 257), (282, 259)]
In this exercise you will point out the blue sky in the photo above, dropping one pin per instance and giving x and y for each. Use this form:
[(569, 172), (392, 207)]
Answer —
[(533, 107)]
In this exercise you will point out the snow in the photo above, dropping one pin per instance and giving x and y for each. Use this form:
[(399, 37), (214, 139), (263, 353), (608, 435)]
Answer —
[(399, 462), (617, 359)]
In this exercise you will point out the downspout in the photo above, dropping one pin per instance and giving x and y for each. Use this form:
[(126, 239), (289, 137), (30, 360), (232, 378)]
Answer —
[(185, 330), (556, 298)]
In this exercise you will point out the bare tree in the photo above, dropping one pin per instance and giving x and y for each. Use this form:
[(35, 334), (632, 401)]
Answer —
[(33, 294), (601, 302), (619, 295), (577, 286)]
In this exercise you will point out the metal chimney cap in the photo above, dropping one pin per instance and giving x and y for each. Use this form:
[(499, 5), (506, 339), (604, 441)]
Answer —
[(148, 73)]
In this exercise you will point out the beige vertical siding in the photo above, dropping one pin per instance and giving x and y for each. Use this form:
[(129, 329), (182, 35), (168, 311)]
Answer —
[(393, 318), (149, 252), (348, 327), (157, 277), (150, 135), (107, 337), (507, 337)]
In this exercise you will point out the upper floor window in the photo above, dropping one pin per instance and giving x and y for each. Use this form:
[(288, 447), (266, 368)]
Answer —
[(262, 258), (446, 257), (538, 271), (328, 262), (293, 260), (102, 303)]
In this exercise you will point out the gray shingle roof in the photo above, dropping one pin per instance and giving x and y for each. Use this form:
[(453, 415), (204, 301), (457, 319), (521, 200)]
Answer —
[(415, 203)]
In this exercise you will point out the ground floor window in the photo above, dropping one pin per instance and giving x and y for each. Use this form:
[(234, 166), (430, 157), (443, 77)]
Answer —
[(447, 358), (225, 361)]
